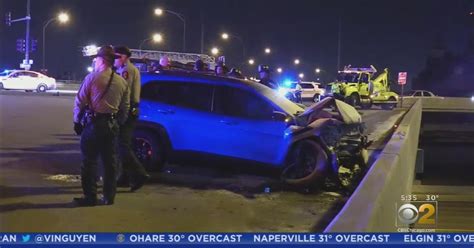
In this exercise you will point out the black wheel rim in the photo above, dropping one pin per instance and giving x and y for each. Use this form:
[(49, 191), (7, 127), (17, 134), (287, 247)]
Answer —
[(143, 149)]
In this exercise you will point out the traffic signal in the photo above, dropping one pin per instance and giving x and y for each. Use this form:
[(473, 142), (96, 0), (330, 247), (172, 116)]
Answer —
[(34, 45), (21, 45), (8, 18)]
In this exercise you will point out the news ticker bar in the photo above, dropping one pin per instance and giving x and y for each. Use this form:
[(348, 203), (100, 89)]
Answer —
[(237, 238)]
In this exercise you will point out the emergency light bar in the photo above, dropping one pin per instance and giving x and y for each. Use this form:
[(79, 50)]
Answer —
[(184, 58)]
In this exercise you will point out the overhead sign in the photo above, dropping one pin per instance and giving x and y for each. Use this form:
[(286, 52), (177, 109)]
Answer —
[(402, 78)]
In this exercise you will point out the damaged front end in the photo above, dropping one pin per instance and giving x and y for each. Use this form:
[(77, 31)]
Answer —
[(340, 133)]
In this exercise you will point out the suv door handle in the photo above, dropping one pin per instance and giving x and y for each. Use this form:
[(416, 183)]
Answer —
[(165, 112), (229, 123)]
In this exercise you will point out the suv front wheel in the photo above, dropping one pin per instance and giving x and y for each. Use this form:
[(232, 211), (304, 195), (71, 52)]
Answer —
[(149, 149), (307, 164)]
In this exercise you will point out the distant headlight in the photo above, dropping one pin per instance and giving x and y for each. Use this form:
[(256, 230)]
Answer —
[(323, 91), (282, 91), (472, 98)]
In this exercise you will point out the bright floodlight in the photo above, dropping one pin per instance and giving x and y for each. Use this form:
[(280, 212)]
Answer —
[(158, 11), (301, 75), (225, 36), (63, 17), (297, 61), (268, 50), (251, 61), (157, 38), (215, 51), (90, 69), (279, 70), (90, 50), (317, 70)]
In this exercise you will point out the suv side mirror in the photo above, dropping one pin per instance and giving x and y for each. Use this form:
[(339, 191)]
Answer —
[(279, 116)]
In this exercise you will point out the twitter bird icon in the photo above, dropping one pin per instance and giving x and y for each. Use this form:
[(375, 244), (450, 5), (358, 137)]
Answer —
[(25, 238)]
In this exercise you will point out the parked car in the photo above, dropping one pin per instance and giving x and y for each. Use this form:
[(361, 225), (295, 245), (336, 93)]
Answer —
[(27, 80), (420, 93), (240, 119)]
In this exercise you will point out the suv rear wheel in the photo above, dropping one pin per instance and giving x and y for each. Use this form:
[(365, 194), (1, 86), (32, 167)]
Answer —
[(307, 164), (149, 149)]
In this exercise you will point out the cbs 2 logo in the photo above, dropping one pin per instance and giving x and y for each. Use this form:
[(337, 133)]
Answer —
[(424, 214)]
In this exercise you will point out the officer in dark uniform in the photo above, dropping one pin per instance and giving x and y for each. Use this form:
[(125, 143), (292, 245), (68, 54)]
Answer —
[(101, 104), (265, 76), (133, 171)]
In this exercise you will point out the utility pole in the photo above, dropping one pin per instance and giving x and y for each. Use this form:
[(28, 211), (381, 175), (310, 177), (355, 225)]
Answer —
[(202, 32), (339, 33), (27, 63), (27, 42)]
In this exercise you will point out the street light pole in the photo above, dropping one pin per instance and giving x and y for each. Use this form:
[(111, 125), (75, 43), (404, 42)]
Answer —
[(44, 40), (157, 38), (225, 36), (142, 43), (181, 17), (62, 18)]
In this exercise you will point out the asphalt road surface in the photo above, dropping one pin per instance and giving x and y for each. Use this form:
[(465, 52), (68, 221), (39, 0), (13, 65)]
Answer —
[(39, 167)]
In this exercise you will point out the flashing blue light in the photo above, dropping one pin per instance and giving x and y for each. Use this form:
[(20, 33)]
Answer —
[(5, 72), (287, 82)]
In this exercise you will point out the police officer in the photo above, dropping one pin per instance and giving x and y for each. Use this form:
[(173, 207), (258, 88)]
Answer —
[(101, 104), (132, 170), (265, 76)]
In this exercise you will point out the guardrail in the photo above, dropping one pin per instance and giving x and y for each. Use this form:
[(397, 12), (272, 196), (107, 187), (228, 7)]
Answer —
[(443, 104), (372, 206)]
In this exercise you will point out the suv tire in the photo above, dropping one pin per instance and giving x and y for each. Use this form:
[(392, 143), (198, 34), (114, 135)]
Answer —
[(149, 149), (307, 164)]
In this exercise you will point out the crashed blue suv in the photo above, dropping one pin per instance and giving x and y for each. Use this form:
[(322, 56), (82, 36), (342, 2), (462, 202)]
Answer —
[(182, 111)]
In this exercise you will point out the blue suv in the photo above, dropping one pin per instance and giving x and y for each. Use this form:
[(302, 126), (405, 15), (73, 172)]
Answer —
[(182, 111)]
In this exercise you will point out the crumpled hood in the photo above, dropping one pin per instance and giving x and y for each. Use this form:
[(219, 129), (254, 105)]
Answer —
[(347, 113)]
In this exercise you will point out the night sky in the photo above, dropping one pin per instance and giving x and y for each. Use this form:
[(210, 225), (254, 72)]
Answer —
[(395, 34)]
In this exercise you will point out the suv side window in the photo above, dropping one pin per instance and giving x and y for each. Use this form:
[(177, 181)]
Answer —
[(188, 95), (241, 103), (307, 86)]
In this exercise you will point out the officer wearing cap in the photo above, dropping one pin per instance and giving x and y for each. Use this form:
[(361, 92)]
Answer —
[(101, 104), (133, 171), (265, 79)]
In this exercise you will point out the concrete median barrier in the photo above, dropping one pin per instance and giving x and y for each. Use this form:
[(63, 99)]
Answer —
[(372, 206)]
